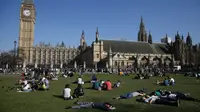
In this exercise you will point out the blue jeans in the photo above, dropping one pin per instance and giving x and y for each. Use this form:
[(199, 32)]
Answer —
[(27, 90), (83, 105), (126, 96)]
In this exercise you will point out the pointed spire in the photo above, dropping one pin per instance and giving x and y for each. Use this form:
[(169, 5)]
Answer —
[(189, 40), (177, 37), (150, 38), (82, 40), (97, 35), (83, 35), (141, 22), (182, 37), (62, 44)]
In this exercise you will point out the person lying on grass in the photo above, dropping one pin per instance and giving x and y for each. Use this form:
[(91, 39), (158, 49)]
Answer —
[(158, 100), (78, 91), (132, 94), (101, 106), (178, 95)]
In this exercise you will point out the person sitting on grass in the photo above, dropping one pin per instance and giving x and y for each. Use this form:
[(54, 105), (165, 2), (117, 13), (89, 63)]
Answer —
[(96, 85), (102, 106), (101, 83), (165, 82), (78, 91), (44, 84), (117, 84), (107, 85), (171, 81), (80, 80), (67, 92), (25, 88), (132, 94), (157, 100), (94, 78)]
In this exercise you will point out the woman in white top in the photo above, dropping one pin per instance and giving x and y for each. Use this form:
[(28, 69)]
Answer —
[(67, 93), (80, 81)]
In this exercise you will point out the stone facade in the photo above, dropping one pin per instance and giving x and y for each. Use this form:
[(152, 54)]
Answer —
[(144, 52), (53, 56)]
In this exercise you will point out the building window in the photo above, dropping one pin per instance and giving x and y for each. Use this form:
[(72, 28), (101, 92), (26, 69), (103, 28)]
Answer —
[(122, 63), (97, 55), (115, 63)]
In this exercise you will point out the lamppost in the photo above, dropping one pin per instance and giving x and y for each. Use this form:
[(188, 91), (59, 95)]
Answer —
[(15, 43)]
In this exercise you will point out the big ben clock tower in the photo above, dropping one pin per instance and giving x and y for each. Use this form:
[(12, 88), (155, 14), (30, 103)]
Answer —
[(26, 33)]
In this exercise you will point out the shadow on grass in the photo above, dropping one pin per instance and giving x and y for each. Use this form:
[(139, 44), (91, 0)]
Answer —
[(58, 96), (89, 88)]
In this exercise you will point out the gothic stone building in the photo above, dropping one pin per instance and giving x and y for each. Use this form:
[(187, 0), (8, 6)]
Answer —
[(42, 54), (120, 53)]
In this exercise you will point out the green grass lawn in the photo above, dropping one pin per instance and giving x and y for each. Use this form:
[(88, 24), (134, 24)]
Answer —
[(46, 101)]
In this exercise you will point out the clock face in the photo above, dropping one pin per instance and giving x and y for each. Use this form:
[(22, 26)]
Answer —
[(27, 12)]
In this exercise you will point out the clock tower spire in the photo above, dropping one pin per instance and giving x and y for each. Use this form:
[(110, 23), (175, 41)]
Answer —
[(26, 32)]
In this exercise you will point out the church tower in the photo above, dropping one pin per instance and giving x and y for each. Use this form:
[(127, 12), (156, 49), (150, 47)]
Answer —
[(142, 35), (26, 32)]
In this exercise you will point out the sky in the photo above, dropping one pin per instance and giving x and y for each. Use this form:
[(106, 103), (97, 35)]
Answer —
[(64, 20)]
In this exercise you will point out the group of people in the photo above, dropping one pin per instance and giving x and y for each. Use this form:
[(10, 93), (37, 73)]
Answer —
[(103, 85), (157, 97), (163, 97), (33, 85), (78, 92), (166, 82), (96, 85)]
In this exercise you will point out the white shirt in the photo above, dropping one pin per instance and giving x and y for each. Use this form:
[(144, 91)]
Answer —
[(66, 92), (27, 87), (43, 79), (25, 82), (152, 99), (172, 96), (80, 81), (172, 80)]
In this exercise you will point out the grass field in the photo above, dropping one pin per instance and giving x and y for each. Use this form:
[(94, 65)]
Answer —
[(47, 101)]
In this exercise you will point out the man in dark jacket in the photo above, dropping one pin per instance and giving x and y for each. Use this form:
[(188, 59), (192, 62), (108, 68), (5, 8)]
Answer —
[(78, 91)]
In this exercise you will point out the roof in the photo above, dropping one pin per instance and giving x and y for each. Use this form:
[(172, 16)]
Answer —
[(28, 2), (135, 47)]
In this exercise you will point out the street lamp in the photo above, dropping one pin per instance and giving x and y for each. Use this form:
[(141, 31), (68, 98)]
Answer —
[(15, 43)]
